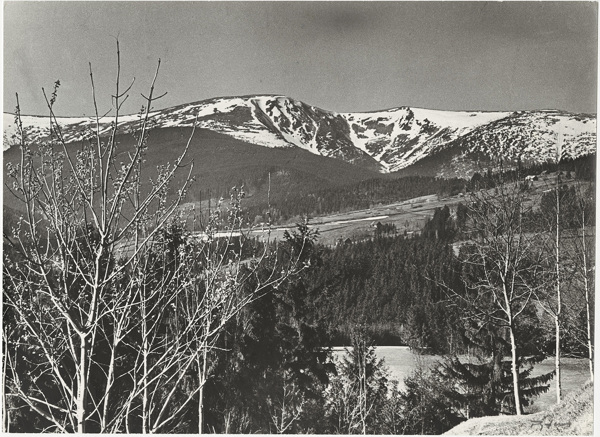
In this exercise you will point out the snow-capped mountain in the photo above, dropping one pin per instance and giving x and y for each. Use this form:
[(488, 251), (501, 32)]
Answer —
[(385, 141)]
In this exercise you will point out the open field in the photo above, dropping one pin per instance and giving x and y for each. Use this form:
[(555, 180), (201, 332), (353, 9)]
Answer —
[(409, 215)]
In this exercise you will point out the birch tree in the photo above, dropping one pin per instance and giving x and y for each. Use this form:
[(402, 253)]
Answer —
[(582, 266), (552, 302)]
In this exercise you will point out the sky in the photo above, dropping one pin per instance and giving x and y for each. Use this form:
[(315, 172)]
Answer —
[(339, 56)]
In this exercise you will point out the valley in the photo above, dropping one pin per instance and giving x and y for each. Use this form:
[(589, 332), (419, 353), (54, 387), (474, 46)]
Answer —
[(407, 216)]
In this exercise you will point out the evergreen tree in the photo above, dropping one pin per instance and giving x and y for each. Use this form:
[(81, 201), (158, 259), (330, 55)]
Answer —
[(357, 396), (427, 405), (274, 363)]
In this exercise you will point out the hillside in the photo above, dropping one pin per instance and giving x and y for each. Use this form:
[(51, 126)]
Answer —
[(451, 143), (573, 416), (221, 161)]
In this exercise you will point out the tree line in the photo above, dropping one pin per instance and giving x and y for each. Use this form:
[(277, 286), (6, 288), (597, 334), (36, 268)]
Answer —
[(297, 195)]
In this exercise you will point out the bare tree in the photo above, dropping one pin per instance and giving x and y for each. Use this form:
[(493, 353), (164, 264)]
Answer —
[(344, 405), (565, 211), (221, 275), (552, 303), (114, 308), (559, 305), (505, 263), (582, 266), (285, 410), (80, 206)]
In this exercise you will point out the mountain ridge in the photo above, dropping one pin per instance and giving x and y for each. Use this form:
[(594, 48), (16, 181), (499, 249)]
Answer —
[(385, 141)]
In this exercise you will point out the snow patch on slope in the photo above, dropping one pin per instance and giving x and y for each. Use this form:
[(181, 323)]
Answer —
[(458, 120), (219, 115), (37, 128), (402, 136), (280, 111)]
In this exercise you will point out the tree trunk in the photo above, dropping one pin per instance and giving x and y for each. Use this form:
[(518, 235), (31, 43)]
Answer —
[(6, 415), (109, 381), (515, 371), (588, 313), (589, 338), (557, 360), (558, 292), (201, 379), (81, 383), (363, 387), (145, 376)]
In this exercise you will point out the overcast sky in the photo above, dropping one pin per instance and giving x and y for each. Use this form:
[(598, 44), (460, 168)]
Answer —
[(339, 56)]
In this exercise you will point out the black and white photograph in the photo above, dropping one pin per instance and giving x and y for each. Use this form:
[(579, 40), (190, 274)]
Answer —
[(299, 217)]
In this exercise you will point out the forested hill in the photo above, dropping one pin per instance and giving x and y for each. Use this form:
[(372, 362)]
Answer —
[(289, 201), (391, 286), (291, 204)]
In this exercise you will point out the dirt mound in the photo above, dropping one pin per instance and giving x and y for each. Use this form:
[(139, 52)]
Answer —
[(573, 416)]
